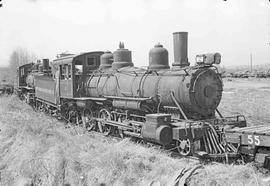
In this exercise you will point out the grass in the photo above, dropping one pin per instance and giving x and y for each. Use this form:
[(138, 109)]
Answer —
[(37, 149), (249, 97)]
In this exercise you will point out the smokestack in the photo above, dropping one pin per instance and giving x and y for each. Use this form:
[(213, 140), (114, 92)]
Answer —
[(180, 46)]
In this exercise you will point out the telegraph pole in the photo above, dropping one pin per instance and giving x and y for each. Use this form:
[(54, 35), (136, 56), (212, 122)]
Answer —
[(250, 62)]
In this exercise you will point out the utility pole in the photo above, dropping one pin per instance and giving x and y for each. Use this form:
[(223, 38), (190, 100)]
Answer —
[(250, 62)]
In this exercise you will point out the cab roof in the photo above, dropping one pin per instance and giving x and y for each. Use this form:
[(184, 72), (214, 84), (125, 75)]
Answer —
[(70, 58)]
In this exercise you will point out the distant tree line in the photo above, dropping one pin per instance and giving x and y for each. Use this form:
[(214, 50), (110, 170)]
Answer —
[(19, 56)]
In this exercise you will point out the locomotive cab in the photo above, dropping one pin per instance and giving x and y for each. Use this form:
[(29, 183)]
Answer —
[(71, 70)]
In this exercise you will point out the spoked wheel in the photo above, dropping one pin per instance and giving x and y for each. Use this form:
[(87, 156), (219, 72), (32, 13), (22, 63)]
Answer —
[(88, 121), (103, 128), (184, 147)]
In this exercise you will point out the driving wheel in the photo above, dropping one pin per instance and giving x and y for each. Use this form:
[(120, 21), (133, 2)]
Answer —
[(103, 128)]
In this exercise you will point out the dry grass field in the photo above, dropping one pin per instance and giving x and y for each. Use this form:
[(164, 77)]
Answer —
[(36, 149), (250, 97)]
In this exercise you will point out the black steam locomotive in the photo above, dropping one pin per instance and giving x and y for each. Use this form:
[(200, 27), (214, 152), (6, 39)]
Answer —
[(102, 91)]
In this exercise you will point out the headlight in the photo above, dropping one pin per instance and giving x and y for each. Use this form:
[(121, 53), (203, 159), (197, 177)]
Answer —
[(200, 58), (209, 59)]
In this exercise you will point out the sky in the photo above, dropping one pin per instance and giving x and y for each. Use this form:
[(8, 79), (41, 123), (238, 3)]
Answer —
[(235, 28)]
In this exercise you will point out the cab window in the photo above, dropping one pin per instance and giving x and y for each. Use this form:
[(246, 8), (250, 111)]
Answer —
[(22, 71), (91, 61), (69, 72), (78, 68), (65, 71)]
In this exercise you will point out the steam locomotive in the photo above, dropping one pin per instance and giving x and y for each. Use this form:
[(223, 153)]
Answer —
[(175, 107)]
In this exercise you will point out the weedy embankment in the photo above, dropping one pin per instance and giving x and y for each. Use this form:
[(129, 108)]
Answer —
[(37, 149)]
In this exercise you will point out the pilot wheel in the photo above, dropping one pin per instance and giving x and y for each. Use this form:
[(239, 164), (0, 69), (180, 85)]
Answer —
[(184, 147)]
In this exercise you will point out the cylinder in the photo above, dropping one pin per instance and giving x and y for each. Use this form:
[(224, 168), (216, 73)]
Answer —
[(106, 60), (158, 58), (180, 43), (122, 57), (45, 63)]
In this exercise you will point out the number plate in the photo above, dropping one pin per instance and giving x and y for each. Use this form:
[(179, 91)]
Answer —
[(251, 139)]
